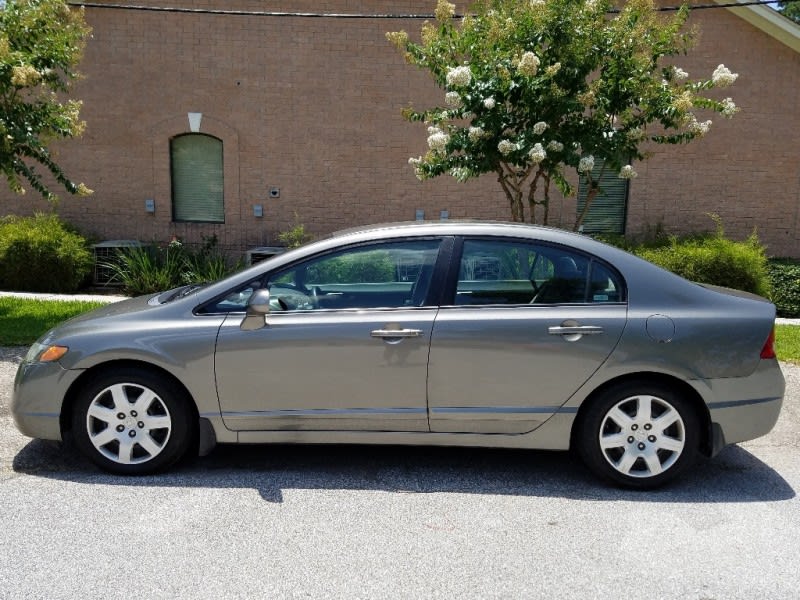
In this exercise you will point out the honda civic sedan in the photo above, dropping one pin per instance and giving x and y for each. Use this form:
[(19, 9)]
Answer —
[(469, 334)]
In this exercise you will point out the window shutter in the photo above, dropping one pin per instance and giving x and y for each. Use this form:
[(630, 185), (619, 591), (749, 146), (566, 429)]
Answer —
[(608, 210), (197, 181)]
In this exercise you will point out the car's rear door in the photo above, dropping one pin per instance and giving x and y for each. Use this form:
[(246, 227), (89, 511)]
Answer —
[(345, 347), (525, 326)]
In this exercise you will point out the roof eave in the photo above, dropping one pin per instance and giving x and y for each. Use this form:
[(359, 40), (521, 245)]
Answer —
[(769, 21)]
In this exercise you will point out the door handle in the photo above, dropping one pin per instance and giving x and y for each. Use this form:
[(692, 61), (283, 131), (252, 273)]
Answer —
[(575, 330), (396, 333)]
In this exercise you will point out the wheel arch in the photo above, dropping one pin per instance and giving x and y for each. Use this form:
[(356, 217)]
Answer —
[(73, 391), (707, 441)]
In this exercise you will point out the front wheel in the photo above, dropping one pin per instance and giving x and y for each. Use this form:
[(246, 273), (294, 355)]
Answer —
[(639, 435), (133, 422)]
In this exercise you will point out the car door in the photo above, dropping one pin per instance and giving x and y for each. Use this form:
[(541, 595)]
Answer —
[(526, 325), (345, 346)]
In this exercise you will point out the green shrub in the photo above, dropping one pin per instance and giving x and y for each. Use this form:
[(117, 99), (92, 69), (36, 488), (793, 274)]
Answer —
[(784, 275), (715, 260), (42, 254), (150, 269)]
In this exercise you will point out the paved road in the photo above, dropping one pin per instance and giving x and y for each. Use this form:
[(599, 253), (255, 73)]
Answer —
[(355, 522)]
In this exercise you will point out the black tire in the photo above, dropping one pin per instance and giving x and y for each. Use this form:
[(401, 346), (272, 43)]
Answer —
[(131, 421), (639, 435)]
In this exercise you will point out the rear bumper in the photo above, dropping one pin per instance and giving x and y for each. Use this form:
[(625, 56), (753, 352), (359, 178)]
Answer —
[(744, 408)]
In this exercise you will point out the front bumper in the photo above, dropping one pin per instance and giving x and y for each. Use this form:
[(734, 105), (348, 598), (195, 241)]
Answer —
[(39, 392)]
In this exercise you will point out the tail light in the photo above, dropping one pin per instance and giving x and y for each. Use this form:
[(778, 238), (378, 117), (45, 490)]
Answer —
[(768, 351)]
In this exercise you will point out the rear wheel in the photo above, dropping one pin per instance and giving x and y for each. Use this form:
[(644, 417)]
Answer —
[(131, 421), (639, 435)]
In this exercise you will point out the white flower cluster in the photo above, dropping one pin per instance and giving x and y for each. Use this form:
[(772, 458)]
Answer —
[(537, 154), (586, 164), (539, 128), (555, 146), (460, 173), (452, 99), (416, 162), (444, 10), (489, 103), (537, 3), (698, 128), (459, 76), (437, 139), (506, 147), (729, 108), (679, 74), (591, 4), (475, 133), (627, 172), (636, 134), (529, 64), (722, 76)]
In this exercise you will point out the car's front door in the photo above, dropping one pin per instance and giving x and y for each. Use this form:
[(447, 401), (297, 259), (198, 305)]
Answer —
[(345, 346), (527, 326)]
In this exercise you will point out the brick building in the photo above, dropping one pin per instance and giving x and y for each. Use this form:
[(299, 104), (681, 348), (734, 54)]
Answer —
[(300, 117)]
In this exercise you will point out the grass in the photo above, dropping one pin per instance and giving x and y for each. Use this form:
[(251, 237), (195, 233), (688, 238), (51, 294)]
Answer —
[(787, 343), (23, 320)]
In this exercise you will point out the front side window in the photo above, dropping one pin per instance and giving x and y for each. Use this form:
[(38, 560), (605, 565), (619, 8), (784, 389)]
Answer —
[(388, 275), (520, 272), (197, 181)]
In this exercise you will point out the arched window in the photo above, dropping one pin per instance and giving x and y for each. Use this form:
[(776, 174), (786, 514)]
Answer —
[(197, 178)]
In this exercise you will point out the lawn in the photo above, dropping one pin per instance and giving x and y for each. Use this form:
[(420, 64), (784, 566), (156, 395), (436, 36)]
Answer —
[(23, 320)]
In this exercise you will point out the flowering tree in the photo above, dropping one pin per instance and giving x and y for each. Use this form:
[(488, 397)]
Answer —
[(41, 42), (536, 87)]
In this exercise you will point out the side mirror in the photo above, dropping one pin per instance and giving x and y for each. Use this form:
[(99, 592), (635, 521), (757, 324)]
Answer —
[(257, 311)]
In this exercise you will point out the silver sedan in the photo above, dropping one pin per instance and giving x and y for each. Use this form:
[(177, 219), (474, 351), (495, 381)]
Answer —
[(473, 334)]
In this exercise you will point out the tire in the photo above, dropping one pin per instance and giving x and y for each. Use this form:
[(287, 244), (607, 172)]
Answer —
[(639, 435), (131, 421)]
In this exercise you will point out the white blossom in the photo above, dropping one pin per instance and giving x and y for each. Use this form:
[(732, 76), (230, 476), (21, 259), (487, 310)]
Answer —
[(539, 128), (729, 108), (586, 164), (489, 103), (529, 64), (437, 139), (555, 146), (537, 154), (679, 74), (418, 172), (460, 173), (537, 3), (452, 99), (459, 76), (506, 147), (698, 128), (475, 133), (635, 134), (722, 76), (627, 172)]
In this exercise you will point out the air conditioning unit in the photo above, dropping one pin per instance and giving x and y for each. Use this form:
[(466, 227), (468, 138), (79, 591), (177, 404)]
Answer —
[(256, 255), (106, 254)]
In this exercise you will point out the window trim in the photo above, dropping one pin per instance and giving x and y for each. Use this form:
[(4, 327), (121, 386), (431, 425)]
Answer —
[(196, 135), (451, 284)]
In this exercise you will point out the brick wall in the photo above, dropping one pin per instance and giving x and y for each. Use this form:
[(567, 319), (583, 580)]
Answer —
[(312, 106)]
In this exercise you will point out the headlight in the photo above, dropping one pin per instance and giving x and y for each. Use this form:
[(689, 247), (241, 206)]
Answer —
[(45, 353)]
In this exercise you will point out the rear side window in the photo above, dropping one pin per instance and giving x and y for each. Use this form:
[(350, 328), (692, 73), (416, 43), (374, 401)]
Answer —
[(519, 272)]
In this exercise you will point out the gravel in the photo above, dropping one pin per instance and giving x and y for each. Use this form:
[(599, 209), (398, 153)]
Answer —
[(356, 522)]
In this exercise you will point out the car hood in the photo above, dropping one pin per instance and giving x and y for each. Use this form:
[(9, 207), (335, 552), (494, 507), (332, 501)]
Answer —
[(95, 318)]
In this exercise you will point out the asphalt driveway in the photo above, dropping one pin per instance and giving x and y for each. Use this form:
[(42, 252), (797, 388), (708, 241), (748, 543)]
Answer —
[(363, 522)]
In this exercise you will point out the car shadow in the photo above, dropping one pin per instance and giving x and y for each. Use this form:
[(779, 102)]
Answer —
[(735, 475)]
